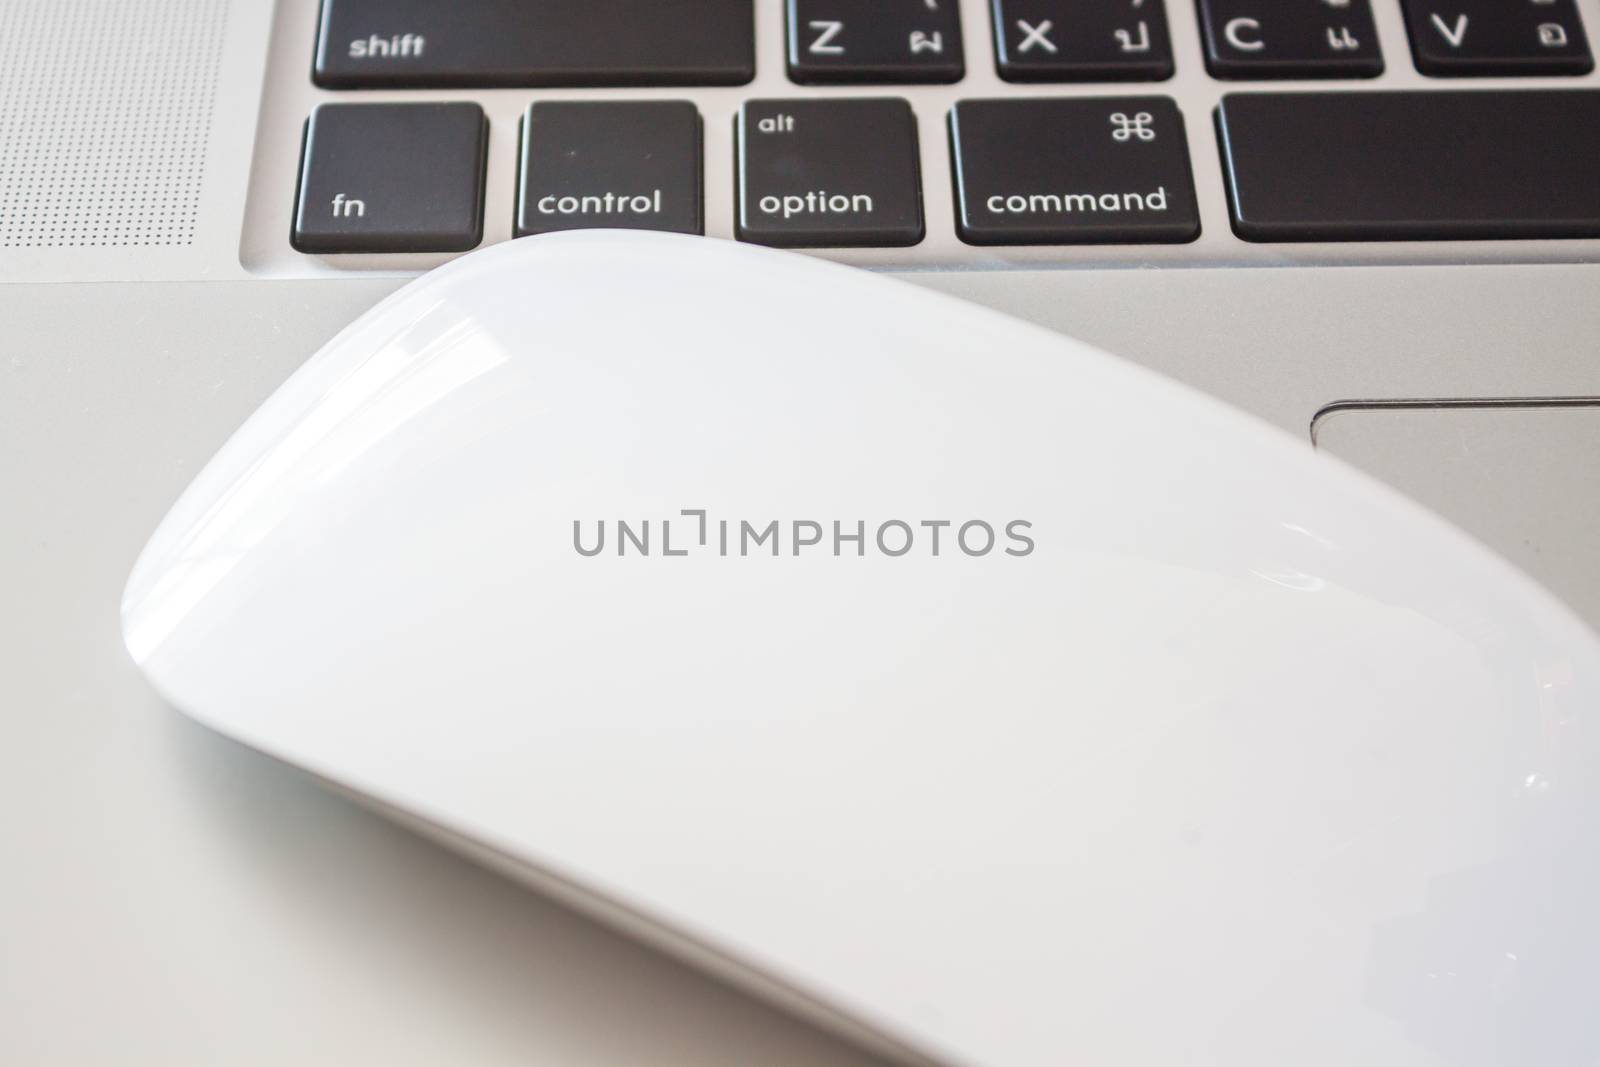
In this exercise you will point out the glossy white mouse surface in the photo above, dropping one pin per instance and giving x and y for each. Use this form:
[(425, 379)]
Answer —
[(1180, 745)]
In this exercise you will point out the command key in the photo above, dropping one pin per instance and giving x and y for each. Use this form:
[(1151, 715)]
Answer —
[(1104, 170)]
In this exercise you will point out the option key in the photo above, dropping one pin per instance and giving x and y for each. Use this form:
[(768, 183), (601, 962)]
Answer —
[(821, 173)]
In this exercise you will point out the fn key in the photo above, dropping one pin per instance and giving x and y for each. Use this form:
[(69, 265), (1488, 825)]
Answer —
[(391, 178)]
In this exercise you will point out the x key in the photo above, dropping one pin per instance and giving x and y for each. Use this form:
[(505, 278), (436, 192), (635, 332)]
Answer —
[(1036, 35), (1081, 40)]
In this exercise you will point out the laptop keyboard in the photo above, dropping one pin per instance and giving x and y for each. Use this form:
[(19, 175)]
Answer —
[(396, 145)]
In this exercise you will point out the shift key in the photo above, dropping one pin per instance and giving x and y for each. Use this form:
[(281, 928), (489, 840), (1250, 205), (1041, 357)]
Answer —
[(1105, 170), (422, 44)]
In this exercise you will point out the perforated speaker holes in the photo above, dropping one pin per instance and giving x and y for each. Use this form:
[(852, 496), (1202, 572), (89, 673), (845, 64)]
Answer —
[(105, 109)]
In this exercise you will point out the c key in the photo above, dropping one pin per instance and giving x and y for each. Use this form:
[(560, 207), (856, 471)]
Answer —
[(1290, 39)]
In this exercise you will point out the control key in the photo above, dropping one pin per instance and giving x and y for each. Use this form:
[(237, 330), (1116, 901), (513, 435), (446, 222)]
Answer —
[(632, 164)]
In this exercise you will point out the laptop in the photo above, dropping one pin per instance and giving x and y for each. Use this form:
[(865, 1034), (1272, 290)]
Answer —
[(1368, 221), (1373, 223)]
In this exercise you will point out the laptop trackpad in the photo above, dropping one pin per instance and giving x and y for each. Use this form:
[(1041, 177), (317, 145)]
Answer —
[(1520, 478)]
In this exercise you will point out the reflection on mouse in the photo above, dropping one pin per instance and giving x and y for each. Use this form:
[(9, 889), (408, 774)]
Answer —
[(982, 696)]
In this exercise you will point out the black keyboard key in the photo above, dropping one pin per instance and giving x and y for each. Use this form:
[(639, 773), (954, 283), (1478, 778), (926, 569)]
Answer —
[(431, 43), (1465, 37), (608, 164), (874, 41), (1111, 170), (1081, 40), (818, 173), (1290, 39), (392, 178), (1412, 165)]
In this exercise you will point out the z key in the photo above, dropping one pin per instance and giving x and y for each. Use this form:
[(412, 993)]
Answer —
[(835, 41)]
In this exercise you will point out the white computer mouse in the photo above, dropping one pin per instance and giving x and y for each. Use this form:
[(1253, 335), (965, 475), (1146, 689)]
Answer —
[(981, 695)]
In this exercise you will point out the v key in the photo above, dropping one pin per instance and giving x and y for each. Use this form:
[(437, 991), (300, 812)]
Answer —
[(1454, 35), (1455, 38)]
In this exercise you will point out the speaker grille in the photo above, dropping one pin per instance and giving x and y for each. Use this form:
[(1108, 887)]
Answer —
[(105, 109)]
